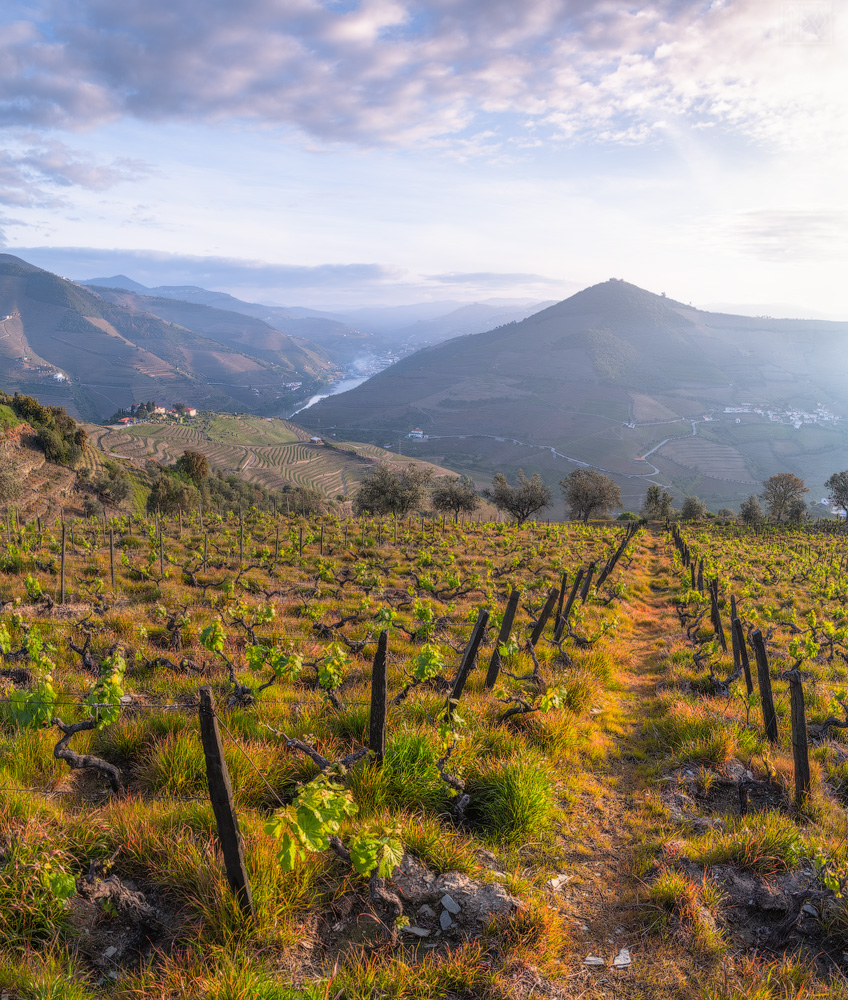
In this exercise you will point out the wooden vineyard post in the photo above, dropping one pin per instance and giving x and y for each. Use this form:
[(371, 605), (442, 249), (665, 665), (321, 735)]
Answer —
[(277, 545), (112, 556), (221, 797), (395, 526), (467, 663), (205, 550), (799, 736), (692, 571), (769, 716), (300, 541), (716, 615), (129, 524), (62, 566), (322, 540), (739, 645), (701, 577), (379, 699), (587, 583), (161, 553), (503, 638), (572, 597), (241, 541), (560, 601), (180, 512), (539, 627)]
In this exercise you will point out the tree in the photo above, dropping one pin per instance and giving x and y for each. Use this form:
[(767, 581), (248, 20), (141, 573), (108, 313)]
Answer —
[(657, 505), (838, 486), (383, 491), (750, 511), (726, 513), (589, 493), (169, 496), (779, 491), (796, 511), (194, 465), (112, 486), (693, 509), (455, 495), (527, 497)]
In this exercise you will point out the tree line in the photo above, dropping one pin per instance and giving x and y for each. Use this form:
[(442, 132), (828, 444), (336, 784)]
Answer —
[(588, 494)]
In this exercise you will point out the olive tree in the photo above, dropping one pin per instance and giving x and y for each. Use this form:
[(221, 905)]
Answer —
[(751, 511), (384, 491), (779, 491), (693, 509), (527, 497), (837, 484), (589, 493), (657, 505), (455, 495)]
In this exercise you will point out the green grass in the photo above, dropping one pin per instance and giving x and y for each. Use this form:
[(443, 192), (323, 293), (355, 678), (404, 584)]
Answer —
[(768, 843), (513, 800)]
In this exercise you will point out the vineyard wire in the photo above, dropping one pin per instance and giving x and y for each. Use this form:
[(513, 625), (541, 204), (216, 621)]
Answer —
[(69, 791), (248, 759)]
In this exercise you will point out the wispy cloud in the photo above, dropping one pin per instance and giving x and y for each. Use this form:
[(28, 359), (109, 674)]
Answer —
[(791, 235), (32, 168), (152, 268), (495, 279)]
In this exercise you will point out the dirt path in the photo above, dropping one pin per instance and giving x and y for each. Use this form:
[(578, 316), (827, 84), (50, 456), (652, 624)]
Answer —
[(612, 827)]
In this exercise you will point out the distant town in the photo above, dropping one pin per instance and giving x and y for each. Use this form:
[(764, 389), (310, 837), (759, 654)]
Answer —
[(795, 418)]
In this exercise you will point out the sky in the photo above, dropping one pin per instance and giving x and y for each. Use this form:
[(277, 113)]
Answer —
[(335, 153)]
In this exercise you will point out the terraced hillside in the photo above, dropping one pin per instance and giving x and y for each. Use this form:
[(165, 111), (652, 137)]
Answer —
[(271, 452)]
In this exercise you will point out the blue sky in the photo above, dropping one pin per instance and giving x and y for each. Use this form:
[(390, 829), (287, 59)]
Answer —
[(340, 153)]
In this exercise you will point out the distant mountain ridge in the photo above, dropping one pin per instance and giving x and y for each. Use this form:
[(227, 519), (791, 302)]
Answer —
[(622, 379), (339, 341), (348, 334)]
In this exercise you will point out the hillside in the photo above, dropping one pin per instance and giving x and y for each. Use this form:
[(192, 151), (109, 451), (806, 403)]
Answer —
[(245, 334), (329, 336), (628, 381), (476, 317), (269, 452), (69, 347)]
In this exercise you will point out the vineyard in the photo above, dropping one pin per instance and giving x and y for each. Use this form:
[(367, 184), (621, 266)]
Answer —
[(244, 756), (271, 452)]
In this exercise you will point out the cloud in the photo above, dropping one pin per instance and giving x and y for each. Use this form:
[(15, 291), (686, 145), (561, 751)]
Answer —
[(791, 235), (33, 167), (407, 72), (494, 279), (152, 268)]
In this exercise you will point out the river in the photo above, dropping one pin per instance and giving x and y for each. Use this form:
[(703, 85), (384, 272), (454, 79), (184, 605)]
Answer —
[(335, 389)]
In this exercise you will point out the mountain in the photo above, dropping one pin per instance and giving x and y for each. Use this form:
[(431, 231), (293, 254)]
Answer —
[(477, 317), (117, 281), (621, 379), (70, 347), (333, 337), (241, 333)]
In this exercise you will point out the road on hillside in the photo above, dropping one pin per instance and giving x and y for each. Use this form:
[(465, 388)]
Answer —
[(553, 451)]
